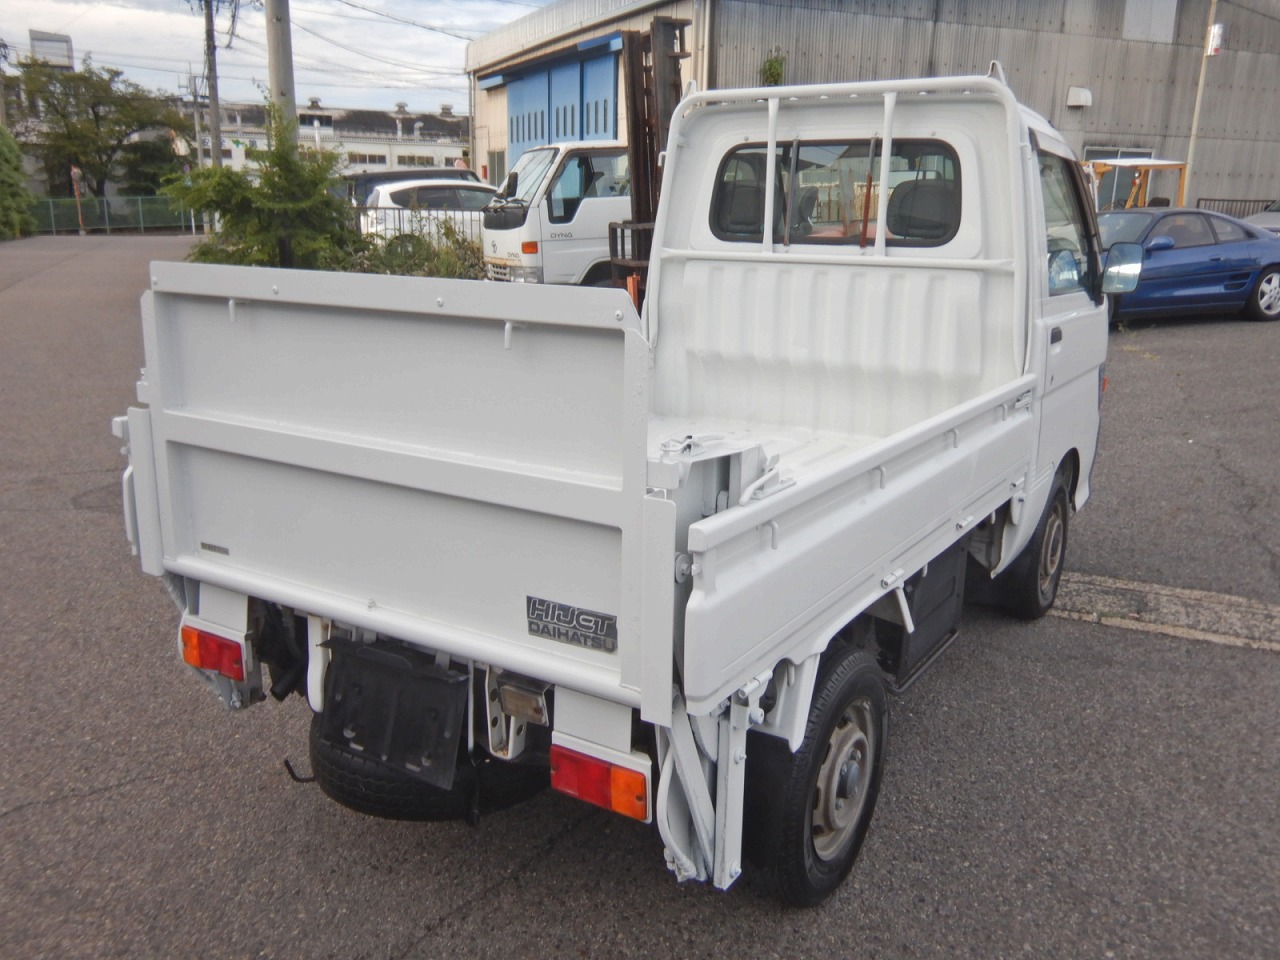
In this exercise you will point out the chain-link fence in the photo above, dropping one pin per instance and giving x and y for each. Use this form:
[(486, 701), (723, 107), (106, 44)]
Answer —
[(104, 215)]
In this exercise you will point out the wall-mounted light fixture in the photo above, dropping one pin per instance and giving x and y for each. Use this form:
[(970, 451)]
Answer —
[(1079, 97)]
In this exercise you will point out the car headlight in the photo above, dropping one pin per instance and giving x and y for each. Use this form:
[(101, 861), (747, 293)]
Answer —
[(525, 274)]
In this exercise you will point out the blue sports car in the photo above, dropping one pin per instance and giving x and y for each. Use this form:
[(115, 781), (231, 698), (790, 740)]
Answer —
[(1196, 262)]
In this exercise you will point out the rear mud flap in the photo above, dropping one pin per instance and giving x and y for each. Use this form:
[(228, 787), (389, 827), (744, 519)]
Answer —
[(395, 706)]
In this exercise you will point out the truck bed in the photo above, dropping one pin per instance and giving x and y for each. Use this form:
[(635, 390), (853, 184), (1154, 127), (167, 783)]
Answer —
[(420, 468)]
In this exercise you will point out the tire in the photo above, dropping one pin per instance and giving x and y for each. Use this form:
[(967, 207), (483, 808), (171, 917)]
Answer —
[(1264, 301), (1029, 587), (807, 813), (371, 788)]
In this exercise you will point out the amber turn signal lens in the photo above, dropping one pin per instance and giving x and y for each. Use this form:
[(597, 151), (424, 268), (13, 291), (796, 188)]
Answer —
[(211, 652), (597, 781)]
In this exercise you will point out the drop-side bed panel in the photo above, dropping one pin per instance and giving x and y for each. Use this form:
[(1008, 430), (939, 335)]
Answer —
[(842, 535)]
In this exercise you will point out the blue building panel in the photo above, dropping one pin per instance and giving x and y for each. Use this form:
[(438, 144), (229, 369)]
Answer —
[(573, 99), (527, 102), (566, 101), (600, 98)]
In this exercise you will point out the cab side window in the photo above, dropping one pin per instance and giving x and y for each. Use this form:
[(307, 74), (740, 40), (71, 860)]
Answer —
[(1066, 238), (595, 175)]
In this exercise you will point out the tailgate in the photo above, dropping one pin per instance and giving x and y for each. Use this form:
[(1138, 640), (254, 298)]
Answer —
[(455, 463)]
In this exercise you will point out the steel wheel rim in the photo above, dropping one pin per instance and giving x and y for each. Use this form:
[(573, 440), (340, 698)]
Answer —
[(1269, 294), (844, 781), (1051, 551)]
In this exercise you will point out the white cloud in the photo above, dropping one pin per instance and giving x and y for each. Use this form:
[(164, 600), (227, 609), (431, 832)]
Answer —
[(344, 55)]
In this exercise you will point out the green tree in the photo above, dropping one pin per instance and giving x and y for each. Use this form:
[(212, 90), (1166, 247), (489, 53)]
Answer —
[(145, 165), (15, 199), (284, 214), (86, 118)]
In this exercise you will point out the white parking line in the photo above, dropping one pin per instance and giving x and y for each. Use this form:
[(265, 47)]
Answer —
[(1172, 611)]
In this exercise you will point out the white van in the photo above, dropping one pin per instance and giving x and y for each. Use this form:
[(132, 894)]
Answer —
[(550, 220)]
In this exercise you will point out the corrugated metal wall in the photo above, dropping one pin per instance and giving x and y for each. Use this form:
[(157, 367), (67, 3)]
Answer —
[(556, 27), (1143, 92)]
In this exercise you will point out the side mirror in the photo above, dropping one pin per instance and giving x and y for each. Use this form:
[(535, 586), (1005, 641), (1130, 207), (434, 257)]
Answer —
[(1160, 243), (1123, 268)]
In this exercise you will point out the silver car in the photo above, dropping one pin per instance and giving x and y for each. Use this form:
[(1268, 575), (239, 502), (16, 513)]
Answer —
[(420, 206), (1268, 219)]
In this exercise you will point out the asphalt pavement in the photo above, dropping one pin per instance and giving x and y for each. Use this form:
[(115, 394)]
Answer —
[(1065, 788)]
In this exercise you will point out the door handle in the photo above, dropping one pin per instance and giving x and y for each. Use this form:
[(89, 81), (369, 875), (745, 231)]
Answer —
[(1055, 335)]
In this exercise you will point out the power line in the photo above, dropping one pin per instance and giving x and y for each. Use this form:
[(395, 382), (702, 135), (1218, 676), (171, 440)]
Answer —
[(411, 23), (433, 77), (359, 53), (427, 70)]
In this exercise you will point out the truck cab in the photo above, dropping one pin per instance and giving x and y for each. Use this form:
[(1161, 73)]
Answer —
[(550, 220)]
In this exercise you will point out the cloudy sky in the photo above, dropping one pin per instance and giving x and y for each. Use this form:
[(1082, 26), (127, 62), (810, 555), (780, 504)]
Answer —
[(351, 53)]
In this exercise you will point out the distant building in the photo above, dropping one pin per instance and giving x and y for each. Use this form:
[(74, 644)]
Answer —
[(52, 49), (369, 141), (1117, 78)]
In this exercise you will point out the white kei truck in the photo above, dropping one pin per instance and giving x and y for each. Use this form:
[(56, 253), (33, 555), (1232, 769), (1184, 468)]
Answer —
[(549, 222), (672, 562)]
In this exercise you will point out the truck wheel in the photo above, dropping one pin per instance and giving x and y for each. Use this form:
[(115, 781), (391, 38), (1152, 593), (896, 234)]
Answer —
[(1264, 302), (379, 791), (807, 812), (1030, 585)]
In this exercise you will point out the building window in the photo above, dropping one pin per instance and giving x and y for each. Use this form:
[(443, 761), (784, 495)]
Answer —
[(367, 158), (1150, 20), (415, 160)]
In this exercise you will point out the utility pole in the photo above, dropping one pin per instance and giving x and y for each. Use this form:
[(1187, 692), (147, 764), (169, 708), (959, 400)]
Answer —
[(1205, 54), (211, 68), (280, 58), (193, 86), (4, 58)]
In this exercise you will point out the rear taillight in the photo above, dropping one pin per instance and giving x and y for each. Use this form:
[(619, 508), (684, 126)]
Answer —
[(209, 651), (597, 781)]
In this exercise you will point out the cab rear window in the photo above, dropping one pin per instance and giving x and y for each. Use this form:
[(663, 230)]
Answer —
[(829, 193)]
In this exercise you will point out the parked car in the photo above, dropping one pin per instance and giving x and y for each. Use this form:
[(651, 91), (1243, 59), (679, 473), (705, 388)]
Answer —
[(1268, 219), (419, 206), (359, 185), (1196, 263)]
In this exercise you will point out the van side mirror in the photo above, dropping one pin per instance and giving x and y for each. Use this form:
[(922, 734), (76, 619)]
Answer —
[(1123, 268)]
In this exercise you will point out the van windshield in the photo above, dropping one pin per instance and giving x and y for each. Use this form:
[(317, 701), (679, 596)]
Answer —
[(530, 170)]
